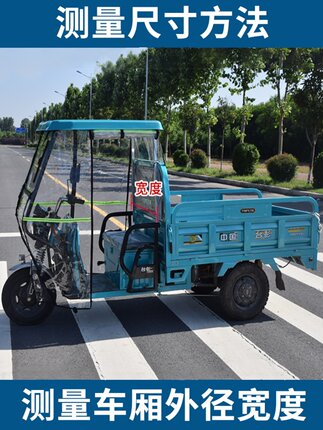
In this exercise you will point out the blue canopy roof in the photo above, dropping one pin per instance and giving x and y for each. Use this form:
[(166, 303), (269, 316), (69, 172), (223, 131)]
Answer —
[(99, 124)]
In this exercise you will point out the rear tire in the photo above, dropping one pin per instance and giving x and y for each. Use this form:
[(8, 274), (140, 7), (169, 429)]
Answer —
[(15, 299), (244, 291)]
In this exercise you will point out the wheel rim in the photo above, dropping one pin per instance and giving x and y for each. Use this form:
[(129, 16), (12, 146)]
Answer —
[(245, 291), (24, 304)]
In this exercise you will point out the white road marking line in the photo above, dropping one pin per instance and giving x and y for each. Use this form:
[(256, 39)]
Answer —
[(296, 316), (16, 152), (5, 335), (88, 232), (20, 155), (301, 275), (82, 233), (4, 235), (113, 351), (320, 257), (246, 359)]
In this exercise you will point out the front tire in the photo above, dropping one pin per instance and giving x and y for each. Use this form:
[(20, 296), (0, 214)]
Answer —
[(21, 308), (244, 291)]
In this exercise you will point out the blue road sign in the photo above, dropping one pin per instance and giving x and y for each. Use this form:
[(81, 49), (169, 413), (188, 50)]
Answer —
[(21, 130)]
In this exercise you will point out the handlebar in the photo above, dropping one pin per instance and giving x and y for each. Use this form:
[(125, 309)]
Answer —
[(70, 199)]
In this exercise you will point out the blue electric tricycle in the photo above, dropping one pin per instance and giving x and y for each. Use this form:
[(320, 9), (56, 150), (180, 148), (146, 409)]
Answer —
[(210, 241)]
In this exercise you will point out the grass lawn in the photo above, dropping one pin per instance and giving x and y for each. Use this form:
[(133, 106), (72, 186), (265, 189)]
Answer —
[(260, 177)]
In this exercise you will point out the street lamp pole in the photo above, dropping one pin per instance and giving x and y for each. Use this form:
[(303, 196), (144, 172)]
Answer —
[(89, 77), (146, 86), (63, 95), (42, 111)]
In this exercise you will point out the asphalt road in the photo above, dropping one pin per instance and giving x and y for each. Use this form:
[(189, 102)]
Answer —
[(176, 336)]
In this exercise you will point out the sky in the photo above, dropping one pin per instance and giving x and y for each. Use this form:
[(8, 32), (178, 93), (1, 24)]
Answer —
[(29, 77)]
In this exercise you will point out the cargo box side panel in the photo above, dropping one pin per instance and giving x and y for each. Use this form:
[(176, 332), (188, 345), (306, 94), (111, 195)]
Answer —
[(233, 231)]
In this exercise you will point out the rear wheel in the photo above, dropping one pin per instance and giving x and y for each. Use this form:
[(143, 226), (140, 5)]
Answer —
[(244, 291), (20, 306)]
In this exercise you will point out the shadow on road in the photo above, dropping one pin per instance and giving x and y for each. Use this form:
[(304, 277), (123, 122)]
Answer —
[(140, 317)]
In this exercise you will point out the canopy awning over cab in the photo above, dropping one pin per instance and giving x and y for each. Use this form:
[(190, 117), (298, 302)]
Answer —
[(100, 125)]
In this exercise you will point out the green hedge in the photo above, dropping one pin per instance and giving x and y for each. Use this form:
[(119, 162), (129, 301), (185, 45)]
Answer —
[(180, 158), (282, 168), (245, 158), (122, 152), (108, 149), (198, 159)]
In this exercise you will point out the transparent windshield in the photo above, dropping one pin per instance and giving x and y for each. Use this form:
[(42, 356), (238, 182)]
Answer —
[(54, 208), (147, 148), (144, 145)]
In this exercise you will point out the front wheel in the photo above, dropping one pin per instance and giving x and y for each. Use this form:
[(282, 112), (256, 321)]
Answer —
[(244, 291), (20, 306)]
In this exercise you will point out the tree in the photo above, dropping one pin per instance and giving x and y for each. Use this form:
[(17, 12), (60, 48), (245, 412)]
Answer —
[(25, 123), (128, 90), (244, 65), (285, 68), (85, 99), (310, 101), (103, 106), (261, 129), (170, 83), (208, 81), (7, 124), (226, 114), (34, 124), (55, 111), (73, 107), (189, 115)]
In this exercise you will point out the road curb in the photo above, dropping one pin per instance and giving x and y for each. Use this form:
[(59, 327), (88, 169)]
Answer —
[(262, 187)]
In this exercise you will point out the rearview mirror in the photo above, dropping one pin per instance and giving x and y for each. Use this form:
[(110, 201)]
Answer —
[(75, 174)]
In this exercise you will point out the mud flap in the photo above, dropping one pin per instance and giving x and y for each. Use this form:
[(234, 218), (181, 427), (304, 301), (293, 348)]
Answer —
[(279, 280)]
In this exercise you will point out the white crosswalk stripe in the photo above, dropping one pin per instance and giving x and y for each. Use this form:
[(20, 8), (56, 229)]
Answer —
[(295, 315), (113, 351), (5, 336), (9, 234), (241, 355), (301, 275), (116, 356)]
